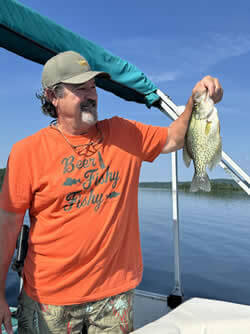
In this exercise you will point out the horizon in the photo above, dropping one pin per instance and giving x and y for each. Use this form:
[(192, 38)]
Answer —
[(174, 46), (179, 181)]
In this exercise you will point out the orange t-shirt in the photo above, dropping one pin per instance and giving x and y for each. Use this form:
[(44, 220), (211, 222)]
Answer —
[(84, 242)]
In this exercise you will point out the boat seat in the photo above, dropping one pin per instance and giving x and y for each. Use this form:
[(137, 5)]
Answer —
[(202, 316)]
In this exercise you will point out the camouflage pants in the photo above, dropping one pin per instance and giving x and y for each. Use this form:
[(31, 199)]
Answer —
[(109, 315)]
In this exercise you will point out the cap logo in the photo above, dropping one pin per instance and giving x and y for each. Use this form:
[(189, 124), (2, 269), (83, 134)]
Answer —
[(83, 62)]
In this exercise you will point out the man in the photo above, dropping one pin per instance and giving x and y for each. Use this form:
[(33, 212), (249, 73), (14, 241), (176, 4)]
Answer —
[(78, 178)]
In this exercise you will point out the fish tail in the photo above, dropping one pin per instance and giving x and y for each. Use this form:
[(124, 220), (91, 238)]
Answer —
[(200, 182)]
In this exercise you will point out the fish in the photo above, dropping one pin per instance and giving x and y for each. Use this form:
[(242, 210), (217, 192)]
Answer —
[(203, 142)]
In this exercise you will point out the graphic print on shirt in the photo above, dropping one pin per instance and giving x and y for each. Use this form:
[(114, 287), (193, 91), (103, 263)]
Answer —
[(94, 173)]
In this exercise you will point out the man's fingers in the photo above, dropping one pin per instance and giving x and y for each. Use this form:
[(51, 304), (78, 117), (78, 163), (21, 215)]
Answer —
[(209, 84), (214, 88), (7, 324), (218, 94), (212, 85)]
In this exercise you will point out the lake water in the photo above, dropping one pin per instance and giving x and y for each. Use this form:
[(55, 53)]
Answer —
[(214, 242)]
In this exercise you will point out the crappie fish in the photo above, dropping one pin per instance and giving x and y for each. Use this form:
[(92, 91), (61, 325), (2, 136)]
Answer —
[(203, 141)]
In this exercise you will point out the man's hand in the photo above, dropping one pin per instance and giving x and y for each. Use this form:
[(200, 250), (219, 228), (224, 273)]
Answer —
[(5, 316), (212, 85)]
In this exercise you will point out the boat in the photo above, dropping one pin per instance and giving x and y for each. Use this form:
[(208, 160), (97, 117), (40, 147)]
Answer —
[(154, 313)]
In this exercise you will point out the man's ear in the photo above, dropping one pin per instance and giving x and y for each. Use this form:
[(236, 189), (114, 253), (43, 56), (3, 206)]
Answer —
[(51, 97)]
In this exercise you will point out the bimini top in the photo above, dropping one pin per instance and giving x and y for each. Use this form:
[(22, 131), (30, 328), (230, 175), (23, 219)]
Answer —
[(37, 38)]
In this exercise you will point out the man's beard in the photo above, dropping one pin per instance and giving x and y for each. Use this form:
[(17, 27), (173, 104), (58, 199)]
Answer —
[(89, 112)]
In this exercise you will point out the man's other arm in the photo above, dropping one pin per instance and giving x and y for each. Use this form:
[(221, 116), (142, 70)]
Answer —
[(10, 226)]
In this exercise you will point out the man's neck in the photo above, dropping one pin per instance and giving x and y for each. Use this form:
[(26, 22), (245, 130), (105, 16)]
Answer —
[(70, 128)]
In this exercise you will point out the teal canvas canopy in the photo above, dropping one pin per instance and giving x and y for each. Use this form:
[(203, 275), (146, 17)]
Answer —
[(30, 35)]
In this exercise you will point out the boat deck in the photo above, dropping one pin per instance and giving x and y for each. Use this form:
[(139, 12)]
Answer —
[(196, 316)]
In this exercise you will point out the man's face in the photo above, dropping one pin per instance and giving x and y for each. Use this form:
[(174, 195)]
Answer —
[(79, 102)]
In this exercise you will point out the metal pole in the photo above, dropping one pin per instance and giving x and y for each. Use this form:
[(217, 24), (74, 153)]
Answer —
[(176, 298), (176, 221)]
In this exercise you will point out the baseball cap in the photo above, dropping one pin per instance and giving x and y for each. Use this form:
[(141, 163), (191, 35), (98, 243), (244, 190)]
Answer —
[(68, 67)]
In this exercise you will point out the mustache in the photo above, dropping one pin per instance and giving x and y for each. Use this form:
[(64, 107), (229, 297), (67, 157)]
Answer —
[(87, 104)]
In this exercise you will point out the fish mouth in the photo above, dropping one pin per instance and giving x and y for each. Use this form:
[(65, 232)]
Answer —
[(201, 96)]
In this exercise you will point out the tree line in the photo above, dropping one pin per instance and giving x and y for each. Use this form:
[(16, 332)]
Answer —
[(217, 184), (2, 172)]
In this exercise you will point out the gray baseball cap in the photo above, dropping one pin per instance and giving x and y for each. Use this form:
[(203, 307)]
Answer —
[(68, 67)]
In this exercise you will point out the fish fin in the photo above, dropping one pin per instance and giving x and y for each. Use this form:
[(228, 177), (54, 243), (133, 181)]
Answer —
[(186, 156), (200, 183), (217, 157), (208, 128)]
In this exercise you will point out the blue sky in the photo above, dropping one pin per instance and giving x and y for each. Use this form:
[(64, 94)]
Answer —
[(175, 43)]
